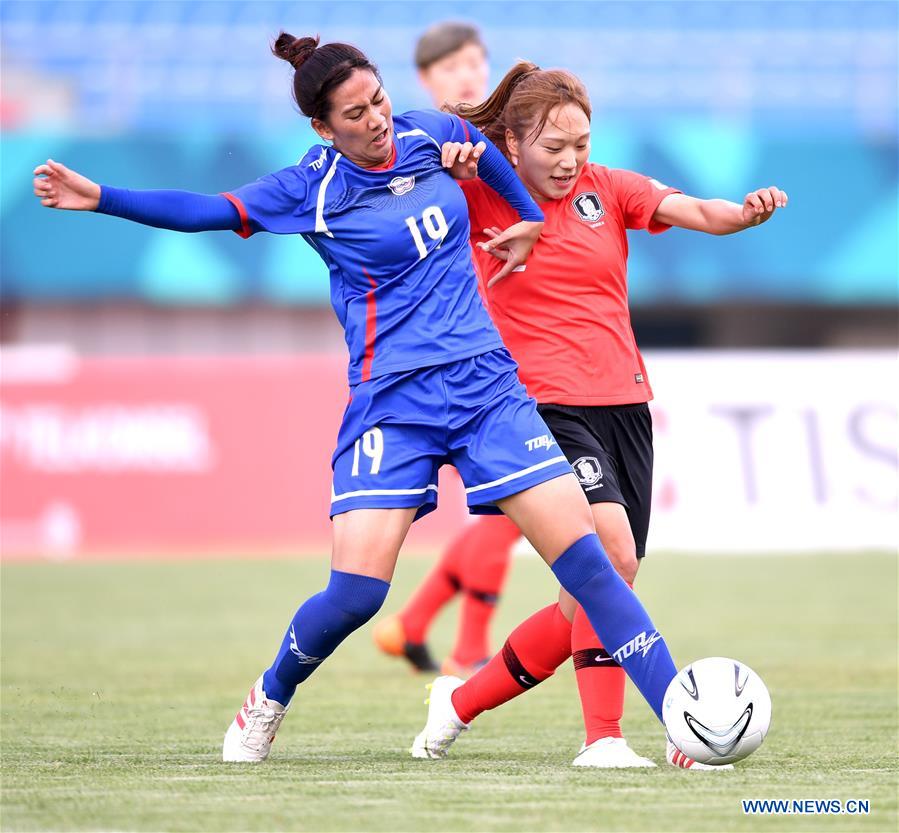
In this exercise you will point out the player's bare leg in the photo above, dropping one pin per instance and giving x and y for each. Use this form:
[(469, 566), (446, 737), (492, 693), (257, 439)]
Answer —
[(614, 530), (552, 515), (366, 543)]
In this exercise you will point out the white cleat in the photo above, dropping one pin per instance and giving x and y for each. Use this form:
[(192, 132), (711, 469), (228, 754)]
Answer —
[(251, 734), (443, 725), (610, 753), (677, 758)]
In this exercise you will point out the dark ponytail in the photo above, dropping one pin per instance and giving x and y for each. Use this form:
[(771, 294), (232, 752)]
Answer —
[(294, 50), (318, 70), (523, 101)]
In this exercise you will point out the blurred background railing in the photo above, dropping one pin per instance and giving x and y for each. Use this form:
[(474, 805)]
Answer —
[(715, 98)]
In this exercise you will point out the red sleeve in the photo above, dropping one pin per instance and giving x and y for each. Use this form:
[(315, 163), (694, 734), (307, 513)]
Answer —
[(639, 197)]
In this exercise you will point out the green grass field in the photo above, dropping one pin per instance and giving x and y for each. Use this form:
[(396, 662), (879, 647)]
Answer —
[(118, 681)]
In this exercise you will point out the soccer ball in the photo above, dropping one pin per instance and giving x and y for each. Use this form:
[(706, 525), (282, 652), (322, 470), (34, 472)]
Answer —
[(717, 710)]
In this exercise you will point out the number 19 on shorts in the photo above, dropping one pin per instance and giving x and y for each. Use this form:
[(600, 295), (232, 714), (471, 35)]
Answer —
[(371, 445)]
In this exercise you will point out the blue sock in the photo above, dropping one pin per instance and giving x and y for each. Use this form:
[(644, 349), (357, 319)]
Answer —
[(319, 626), (618, 617)]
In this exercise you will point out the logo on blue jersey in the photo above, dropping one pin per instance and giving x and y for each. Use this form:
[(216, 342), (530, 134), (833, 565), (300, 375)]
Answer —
[(317, 164), (401, 185)]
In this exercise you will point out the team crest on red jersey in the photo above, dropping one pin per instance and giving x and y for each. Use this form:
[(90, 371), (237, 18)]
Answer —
[(588, 207)]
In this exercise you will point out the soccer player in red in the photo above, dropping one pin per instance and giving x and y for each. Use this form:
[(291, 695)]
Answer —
[(564, 317), (452, 66)]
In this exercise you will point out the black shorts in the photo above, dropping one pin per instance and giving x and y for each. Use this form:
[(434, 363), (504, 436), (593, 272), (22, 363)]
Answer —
[(610, 449)]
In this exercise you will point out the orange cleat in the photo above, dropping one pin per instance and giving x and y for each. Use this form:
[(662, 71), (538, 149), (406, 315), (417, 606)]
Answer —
[(389, 636)]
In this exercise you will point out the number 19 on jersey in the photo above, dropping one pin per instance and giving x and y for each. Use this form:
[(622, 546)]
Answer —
[(434, 225)]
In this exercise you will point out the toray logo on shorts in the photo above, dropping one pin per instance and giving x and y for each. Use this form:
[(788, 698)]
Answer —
[(401, 185), (546, 441), (641, 642)]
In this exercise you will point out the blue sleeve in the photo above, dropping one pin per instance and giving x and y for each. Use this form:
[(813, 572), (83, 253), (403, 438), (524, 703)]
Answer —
[(496, 171), (276, 203), (493, 167), (175, 210)]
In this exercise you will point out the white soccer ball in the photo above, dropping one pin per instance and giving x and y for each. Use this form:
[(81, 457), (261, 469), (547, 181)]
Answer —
[(717, 710)]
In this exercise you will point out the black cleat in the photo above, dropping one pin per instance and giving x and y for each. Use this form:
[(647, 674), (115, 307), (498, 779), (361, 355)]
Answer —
[(420, 657), (390, 637)]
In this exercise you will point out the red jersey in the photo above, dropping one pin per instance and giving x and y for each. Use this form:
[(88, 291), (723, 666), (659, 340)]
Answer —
[(565, 317)]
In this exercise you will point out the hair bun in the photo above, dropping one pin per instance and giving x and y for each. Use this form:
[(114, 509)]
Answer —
[(295, 51)]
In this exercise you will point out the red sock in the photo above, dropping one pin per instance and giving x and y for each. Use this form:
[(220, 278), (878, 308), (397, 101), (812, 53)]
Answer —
[(484, 565), (533, 651), (438, 588), (600, 681)]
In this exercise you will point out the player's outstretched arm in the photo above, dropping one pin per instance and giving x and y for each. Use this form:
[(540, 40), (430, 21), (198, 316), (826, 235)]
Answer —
[(59, 187), (720, 216)]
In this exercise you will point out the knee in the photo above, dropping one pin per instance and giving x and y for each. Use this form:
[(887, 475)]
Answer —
[(357, 597), (623, 555)]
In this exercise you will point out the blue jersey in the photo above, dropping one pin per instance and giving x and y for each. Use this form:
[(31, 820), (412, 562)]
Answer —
[(396, 242)]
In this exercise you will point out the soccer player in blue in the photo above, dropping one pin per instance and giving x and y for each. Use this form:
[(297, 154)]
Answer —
[(430, 381)]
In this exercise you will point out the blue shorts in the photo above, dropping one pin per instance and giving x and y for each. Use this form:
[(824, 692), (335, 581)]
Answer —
[(474, 414)]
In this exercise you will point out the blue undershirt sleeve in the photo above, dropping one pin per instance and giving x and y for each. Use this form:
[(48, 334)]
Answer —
[(175, 210), (496, 171)]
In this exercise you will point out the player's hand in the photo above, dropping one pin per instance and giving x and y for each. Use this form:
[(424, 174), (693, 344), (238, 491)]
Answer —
[(59, 187), (461, 158), (758, 206), (512, 245)]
